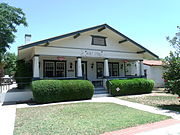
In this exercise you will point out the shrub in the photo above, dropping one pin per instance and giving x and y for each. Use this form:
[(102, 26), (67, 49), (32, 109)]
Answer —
[(45, 91), (173, 86), (23, 75), (129, 86)]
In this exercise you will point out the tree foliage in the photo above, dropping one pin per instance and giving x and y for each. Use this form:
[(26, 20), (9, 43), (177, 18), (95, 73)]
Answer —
[(10, 63), (175, 41), (10, 18), (172, 66)]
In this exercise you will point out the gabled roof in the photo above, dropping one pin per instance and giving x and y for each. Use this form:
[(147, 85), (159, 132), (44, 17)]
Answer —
[(82, 31), (153, 62)]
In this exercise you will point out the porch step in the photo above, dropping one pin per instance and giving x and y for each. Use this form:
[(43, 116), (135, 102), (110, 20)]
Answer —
[(101, 95), (100, 90)]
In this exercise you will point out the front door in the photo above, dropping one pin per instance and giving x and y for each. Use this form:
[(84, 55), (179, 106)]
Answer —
[(84, 69)]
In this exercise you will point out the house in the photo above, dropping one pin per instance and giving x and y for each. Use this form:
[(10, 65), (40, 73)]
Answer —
[(96, 53), (153, 70)]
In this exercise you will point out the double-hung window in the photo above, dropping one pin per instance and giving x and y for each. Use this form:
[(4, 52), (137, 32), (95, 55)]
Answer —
[(54, 68), (113, 69)]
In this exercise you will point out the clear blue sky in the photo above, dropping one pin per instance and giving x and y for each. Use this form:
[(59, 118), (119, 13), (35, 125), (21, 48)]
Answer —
[(147, 22)]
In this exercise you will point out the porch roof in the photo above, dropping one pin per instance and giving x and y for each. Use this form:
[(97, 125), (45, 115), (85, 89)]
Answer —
[(153, 62)]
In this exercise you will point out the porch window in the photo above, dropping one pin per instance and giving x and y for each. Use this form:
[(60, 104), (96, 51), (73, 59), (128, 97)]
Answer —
[(113, 69), (60, 69), (49, 69), (54, 68), (100, 69), (98, 40)]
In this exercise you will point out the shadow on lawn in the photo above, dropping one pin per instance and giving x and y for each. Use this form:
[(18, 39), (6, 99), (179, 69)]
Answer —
[(172, 107)]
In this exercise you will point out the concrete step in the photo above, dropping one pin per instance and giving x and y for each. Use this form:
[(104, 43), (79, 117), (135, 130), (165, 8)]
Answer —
[(100, 92), (101, 95), (99, 88)]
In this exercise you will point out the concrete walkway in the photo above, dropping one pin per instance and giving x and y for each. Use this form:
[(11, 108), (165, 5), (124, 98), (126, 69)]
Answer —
[(173, 114), (7, 113), (7, 119)]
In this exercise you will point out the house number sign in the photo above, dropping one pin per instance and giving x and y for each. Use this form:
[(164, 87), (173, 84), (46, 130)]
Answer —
[(90, 53)]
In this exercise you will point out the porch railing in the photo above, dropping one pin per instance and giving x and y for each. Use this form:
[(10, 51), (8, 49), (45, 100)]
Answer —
[(9, 83)]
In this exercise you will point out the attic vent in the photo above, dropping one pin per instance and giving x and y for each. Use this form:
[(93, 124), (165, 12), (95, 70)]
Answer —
[(98, 40)]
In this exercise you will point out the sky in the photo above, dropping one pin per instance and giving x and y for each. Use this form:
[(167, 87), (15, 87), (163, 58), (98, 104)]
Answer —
[(148, 22)]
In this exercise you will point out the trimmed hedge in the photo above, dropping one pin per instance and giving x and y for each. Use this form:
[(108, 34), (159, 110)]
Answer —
[(46, 91), (129, 86)]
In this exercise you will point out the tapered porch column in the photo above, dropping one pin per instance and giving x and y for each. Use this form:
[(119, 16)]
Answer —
[(106, 68), (79, 67), (141, 68), (36, 67)]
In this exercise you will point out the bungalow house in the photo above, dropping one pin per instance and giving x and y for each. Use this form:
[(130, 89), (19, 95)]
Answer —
[(96, 54)]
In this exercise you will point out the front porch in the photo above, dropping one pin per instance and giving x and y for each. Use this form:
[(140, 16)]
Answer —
[(97, 70)]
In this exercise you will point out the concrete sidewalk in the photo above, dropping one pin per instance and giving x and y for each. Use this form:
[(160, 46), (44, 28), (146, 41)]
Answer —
[(7, 119)]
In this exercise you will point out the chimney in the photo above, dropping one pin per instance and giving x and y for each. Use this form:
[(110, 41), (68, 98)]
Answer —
[(27, 38)]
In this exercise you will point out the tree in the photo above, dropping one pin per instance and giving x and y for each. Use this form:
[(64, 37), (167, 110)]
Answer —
[(175, 41), (172, 66), (10, 63), (10, 18)]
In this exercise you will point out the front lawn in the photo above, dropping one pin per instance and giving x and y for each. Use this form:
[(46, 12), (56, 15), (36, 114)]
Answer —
[(164, 101), (79, 119)]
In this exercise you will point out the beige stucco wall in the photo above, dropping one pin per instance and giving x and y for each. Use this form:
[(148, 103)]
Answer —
[(155, 73)]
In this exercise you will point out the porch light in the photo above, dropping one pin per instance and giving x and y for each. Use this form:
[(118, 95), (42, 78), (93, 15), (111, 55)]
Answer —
[(92, 65)]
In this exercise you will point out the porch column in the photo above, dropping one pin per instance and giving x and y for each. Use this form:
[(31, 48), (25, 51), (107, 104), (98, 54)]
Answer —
[(106, 68), (36, 67), (106, 72), (79, 67), (141, 68)]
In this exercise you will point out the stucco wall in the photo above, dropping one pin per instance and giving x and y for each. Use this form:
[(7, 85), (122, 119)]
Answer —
[(155, 73)]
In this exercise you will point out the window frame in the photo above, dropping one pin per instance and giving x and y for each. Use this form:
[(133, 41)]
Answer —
[(55, 61), (112, 63), (95, 36)]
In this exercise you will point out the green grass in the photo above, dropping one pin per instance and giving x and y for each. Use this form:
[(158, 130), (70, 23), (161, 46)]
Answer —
[(164, 101), (79, 119)]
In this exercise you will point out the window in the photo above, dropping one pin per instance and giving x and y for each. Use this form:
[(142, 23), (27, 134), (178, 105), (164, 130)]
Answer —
[(60, 69), (113, 69), (100, 69), (98, 40), (49, 69), (54, 68)]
